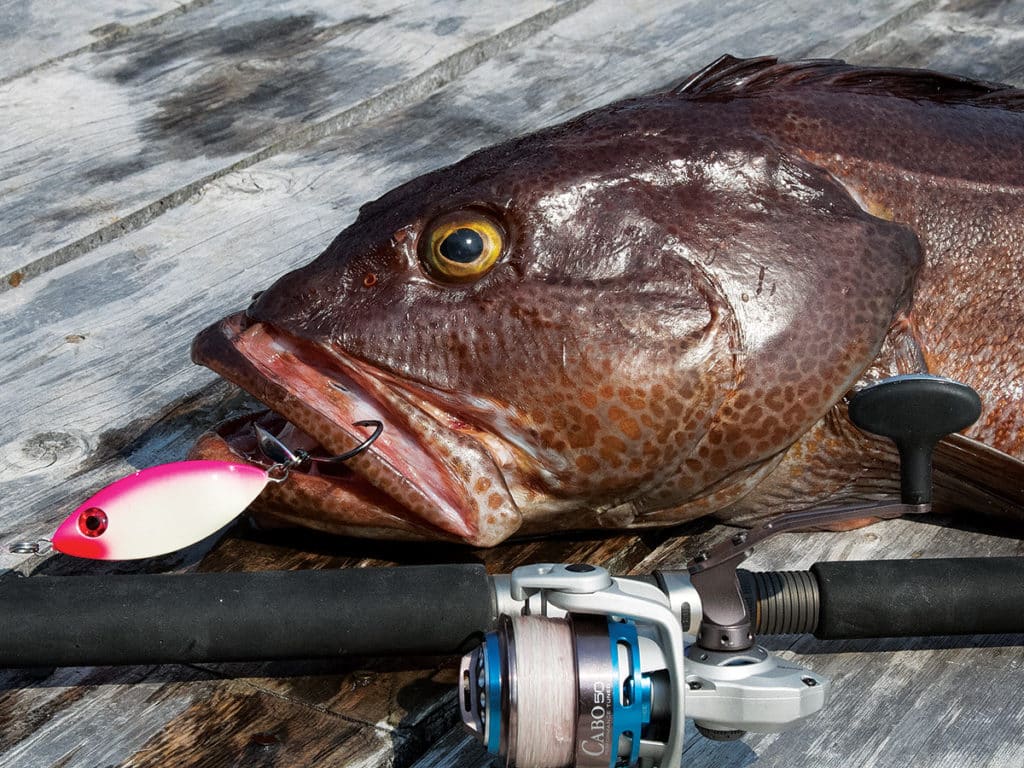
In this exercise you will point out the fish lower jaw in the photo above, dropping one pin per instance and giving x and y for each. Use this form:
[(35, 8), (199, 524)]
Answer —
[(397, 485)]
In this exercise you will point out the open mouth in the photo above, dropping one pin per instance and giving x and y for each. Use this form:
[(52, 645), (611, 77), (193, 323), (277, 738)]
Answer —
[(426, 476)]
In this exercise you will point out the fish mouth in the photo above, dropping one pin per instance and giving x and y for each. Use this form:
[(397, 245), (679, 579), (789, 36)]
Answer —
[(429, 475)]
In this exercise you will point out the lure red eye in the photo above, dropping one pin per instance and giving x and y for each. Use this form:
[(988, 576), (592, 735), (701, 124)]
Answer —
[(92, 522)]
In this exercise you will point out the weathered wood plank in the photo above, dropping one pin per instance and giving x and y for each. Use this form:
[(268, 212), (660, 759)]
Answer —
[(456, 750), (36, 32), (233, 724), (46, 720), (963, 37), (150, 119), (92, 416)]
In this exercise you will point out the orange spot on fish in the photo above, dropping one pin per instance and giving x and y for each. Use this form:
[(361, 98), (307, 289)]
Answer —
[(613, 444), (370, 280), (630, 428), (494, 501), (632, 397)]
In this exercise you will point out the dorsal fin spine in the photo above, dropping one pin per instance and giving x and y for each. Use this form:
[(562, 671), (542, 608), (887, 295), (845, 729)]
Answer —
[(730, 76)]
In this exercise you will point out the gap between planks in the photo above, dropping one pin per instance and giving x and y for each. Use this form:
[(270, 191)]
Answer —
[(114, 34), (392, 99)]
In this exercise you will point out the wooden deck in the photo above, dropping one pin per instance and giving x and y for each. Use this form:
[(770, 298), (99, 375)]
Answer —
[(161, 160)]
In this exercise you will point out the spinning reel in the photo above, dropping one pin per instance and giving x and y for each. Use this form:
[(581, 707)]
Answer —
[(596, 676), (590, 670)]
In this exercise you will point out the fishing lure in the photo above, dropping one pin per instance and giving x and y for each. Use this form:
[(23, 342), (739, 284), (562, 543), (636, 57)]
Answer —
[(170, 506)]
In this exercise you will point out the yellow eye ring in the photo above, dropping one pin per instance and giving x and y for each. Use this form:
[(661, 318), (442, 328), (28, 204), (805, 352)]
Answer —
[(462, 247)]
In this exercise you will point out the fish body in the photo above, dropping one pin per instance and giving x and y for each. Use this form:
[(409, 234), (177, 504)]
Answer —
[(653, 311)]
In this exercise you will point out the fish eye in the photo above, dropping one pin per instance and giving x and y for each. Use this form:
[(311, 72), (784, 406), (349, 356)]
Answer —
[(461, 247), (92, 522)]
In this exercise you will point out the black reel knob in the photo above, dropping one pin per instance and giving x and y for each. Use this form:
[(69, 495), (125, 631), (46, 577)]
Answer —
[(915, 412)]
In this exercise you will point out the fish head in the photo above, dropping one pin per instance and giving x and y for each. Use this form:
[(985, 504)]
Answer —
[(578, 328)]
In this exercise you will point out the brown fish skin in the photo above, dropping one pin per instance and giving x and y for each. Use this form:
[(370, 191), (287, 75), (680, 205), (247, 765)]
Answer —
[(945, 156), (688, 285)]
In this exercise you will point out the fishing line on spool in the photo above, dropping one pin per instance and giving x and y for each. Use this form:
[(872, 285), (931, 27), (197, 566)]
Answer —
[(546, 688)]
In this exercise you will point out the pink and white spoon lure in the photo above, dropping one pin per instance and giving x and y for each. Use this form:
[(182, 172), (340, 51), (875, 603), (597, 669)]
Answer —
[(165, 508), (159, 510)]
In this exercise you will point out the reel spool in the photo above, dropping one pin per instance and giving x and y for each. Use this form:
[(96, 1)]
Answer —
[(577, 691)]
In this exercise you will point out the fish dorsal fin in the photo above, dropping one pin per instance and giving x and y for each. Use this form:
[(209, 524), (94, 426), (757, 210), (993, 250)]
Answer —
[(979, 478), (726, 74), (733, 77)]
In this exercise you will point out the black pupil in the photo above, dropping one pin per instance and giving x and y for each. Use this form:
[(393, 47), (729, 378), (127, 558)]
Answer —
[(463, 246), (92, 522)]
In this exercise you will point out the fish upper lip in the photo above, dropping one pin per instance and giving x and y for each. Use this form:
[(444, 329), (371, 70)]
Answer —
[(248, 352)]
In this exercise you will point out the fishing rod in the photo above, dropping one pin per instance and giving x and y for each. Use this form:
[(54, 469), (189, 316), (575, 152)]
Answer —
[(565, 664)]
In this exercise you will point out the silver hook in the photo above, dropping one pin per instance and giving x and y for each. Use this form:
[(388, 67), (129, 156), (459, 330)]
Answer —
[(285, 459), (274, 449)]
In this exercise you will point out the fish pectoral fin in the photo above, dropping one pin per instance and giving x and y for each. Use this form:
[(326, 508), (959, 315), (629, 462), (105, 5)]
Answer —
[(971, 475)]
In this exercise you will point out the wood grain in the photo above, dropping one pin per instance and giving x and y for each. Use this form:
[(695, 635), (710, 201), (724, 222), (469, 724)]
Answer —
[(96, 379), (35, 33), (114, 712), (148, 120), (233, 724)]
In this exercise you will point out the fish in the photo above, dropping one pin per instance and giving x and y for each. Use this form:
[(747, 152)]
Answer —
[(653, 312)]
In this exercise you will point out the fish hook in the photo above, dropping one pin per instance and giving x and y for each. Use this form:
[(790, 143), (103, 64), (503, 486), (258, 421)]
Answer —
[(285, 458), (378, 427)]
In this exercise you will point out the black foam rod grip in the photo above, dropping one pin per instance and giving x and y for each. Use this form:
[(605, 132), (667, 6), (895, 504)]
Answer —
[(918, 598), (50, 621)]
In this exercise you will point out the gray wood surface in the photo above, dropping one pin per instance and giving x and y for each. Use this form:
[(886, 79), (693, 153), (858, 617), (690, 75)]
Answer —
[(36, 33), (165, 109), (122, 235)]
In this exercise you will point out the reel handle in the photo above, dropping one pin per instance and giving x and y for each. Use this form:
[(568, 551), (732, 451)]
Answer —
[(915, 412)]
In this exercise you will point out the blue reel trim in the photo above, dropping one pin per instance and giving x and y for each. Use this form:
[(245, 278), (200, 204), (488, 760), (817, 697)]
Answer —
[(632, 702), (492, 678)]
